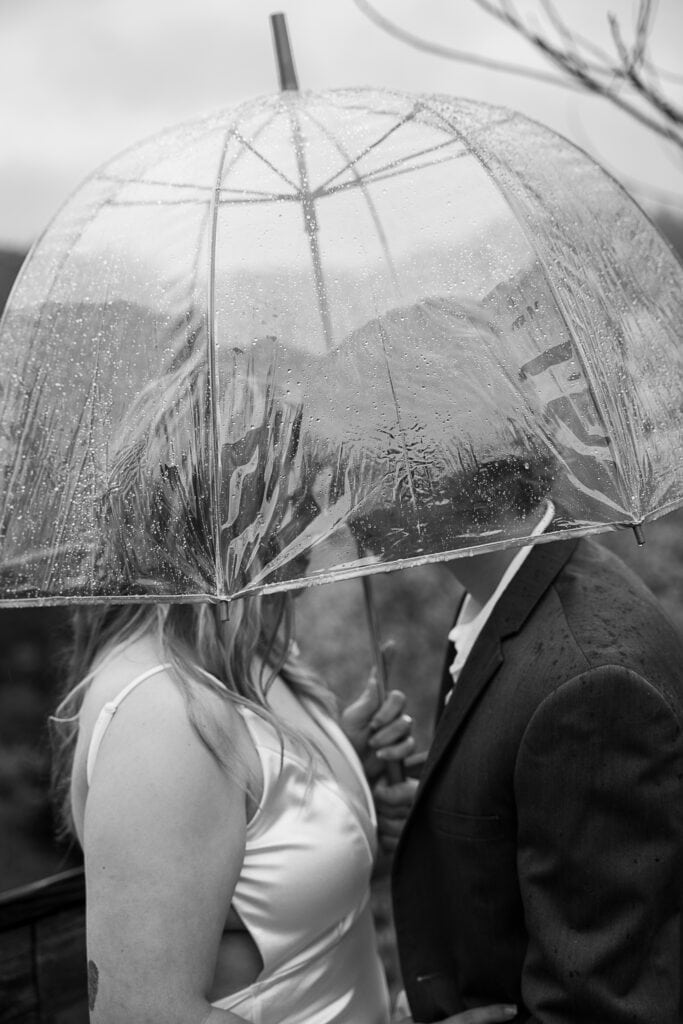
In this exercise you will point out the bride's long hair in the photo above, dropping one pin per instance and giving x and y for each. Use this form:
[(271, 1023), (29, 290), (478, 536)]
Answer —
[(156, 522)]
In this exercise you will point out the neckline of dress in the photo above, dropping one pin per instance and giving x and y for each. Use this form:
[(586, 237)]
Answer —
[(362, 813), (342, 742)]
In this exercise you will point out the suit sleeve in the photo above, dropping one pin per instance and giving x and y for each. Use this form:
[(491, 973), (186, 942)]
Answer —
[(598, 790)]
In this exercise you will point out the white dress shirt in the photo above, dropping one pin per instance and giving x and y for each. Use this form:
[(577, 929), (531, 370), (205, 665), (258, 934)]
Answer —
[(473, 618)]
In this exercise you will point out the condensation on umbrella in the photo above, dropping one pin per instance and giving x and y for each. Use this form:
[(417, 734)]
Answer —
[(192, 242)]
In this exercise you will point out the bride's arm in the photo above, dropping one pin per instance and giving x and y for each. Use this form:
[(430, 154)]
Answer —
[(164, 836)]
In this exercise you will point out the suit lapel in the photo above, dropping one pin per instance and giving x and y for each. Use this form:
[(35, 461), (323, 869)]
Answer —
[(446, 680), (537, 573)]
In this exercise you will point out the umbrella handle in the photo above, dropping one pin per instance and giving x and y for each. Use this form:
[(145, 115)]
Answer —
[(395, 770)]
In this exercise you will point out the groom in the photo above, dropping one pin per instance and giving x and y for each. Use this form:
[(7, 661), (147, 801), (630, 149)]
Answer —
[(541, 862)]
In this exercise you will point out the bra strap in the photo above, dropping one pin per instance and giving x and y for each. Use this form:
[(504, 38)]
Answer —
[(107, 713)]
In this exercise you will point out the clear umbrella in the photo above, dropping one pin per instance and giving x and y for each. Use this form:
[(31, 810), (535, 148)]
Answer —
[(241, 337)]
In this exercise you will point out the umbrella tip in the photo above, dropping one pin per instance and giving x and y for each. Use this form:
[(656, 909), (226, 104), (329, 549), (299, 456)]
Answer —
[(283, 53), (639, 535)]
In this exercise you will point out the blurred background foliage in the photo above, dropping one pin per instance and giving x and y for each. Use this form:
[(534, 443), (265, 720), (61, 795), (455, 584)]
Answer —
[(415, 609)]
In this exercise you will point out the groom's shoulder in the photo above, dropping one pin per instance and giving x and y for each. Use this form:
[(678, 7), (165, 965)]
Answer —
[(596, 582), (603, 611)]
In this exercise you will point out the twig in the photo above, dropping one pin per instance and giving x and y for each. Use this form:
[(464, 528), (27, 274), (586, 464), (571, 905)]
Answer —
[(571, 61), (630, 62), (584, 65), (439, 50)]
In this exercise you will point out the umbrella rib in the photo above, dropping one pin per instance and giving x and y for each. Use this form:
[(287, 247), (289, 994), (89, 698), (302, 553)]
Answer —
[(620, 412), (386, 175), (273, 197), (95, 176), (156, 182), (311, 228), (256, 194), (366, 195), (398, 166), (200, 188), (256, 198), (180, 186), (500, 188), (410, 116), (215, 454), (239, 153), (265, 160), (130, 203), (601, 411), (57, 271), (103, 175), (117, 179)]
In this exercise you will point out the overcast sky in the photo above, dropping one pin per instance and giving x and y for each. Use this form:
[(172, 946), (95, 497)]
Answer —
[(82, 79)]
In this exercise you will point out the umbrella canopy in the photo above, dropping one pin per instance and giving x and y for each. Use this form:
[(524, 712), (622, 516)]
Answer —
[(253, 330)]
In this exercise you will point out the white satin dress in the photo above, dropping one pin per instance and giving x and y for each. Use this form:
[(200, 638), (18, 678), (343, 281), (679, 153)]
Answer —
[(303, 891)]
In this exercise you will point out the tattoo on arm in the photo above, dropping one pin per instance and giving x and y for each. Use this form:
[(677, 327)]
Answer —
[(93, 979)]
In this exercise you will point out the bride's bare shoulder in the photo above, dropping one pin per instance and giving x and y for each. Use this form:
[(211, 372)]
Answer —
[(158, 706), (152, 723), (116, 667), (122, 665)]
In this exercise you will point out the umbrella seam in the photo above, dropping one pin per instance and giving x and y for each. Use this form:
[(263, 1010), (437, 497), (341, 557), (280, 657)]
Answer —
[(600, 409)]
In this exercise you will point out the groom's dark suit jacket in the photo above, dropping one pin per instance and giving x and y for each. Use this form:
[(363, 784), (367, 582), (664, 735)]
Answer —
[(541, 862)]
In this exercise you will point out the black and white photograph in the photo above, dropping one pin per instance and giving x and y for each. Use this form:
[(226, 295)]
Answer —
[(341, 512)]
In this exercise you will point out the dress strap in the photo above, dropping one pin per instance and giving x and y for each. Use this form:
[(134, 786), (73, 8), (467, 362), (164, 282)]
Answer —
[(107, 713)]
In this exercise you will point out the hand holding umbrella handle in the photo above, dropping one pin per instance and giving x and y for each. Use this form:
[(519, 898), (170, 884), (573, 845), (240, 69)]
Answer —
[(395, 770)]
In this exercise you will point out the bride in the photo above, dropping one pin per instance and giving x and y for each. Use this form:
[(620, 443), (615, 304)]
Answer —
[(226, 821)]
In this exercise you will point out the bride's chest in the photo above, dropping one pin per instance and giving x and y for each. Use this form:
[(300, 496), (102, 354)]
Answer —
[(335, 759)]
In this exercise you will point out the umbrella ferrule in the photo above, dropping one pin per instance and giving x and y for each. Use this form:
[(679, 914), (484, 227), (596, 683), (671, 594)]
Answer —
[(283, 54)]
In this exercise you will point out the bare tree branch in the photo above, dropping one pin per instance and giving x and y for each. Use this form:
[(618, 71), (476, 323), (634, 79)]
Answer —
[(656, 113), (439, 50), (631, 62), (643, 29), (625, 79)]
